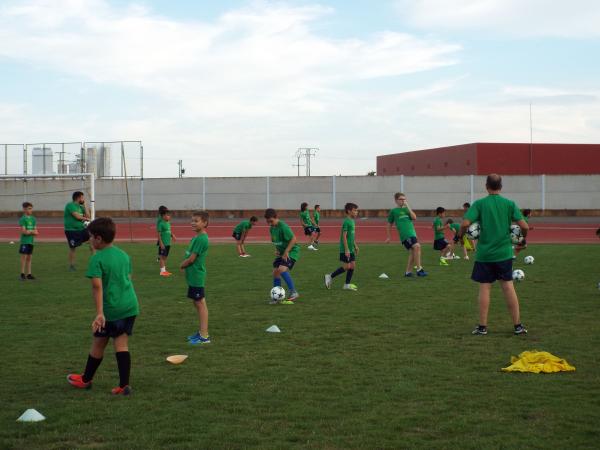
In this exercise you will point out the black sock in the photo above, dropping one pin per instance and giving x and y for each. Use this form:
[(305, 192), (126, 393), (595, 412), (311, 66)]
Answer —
[(90, 368), (124, 363), (349, 274), (339, 271)]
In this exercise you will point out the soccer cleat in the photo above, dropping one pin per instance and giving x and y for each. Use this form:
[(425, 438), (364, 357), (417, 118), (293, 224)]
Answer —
[(125, 390), (30, 277), (194, 336), (76, 380), (479, 331), (520, 329), (421, 273), (72, 268), (443, 262), (293, 296), (455, 256), (328, 281), (287, 302), (23, 277), (408, 274), (244, 255), (165, 274), (311, 247), (198, 340), (467, 257), (350, 287)]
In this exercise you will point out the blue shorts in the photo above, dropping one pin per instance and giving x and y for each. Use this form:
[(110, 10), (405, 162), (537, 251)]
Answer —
[(309, 230), (489, 272), (195, 293), (440, 244), (26, 249), (77, 237), (280, 262), (347, 260), (237, 236), (164, 251), (115, 328), (410, 242)]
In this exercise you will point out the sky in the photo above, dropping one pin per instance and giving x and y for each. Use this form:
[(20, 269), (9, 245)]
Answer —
[(234, 88)]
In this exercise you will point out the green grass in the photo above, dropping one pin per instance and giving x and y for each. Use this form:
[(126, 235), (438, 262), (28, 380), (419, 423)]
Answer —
[(391, 366)]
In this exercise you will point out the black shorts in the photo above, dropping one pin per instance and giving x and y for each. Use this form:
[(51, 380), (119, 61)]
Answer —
[(488, 272), (280, 262), (164, 251), (77, 237), (195, 293), (26, 249), (309, 230), (456, 239), (410, 242), (317, 229), (237, 236), (440, 244), (347, 260), (115, 328)]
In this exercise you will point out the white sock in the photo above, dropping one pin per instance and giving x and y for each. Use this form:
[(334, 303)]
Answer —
[(163, 269)]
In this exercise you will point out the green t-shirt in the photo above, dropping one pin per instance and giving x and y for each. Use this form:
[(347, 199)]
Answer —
[(495, 214), (113, 266), (242, 226), (401, 218), (195, 274), (347, 227), (71, 223), (305, 217), (158, 221), (317, 217), (29, 223), (281, 235), (455, 227), (164, 229), (437, 223)]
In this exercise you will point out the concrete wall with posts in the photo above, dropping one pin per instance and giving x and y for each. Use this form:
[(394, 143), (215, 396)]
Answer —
[(540, 192)]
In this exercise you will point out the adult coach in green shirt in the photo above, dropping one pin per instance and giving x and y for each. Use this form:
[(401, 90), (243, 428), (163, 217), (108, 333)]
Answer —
[(74, 217), (493, 260)]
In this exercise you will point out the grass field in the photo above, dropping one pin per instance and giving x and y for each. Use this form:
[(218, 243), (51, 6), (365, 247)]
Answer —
[(391, 366)]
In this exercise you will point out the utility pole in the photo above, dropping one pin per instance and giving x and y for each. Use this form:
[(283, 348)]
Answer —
[(181, 169), (307, 153), (299, 155)]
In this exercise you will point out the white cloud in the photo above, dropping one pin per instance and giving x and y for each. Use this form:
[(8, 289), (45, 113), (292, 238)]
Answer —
[(562, 18)]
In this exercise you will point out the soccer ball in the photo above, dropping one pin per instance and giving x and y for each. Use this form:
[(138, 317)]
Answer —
[(277, 293), (86, 223), (518, 275), (515, 234), (474, 231), (528, 260)]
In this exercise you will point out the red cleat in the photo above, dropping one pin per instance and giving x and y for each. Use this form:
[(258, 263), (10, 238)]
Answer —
[(76, 380), (125, 390)]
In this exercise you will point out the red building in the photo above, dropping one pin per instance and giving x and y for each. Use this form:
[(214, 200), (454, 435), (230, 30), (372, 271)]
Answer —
[(483, 158)]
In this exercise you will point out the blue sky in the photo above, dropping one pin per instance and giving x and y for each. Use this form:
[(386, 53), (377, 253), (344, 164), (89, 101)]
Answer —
[(233, 88)]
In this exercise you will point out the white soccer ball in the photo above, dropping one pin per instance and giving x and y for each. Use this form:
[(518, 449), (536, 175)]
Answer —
[(518, 275), (528, 260), (86, 223), (277, 293), (516, 236), (474, 231)]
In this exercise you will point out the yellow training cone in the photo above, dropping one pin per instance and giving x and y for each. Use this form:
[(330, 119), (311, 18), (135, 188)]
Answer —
[(176, 359)]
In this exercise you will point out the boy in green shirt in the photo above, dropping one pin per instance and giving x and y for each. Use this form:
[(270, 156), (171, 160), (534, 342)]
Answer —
[(316, 219), (164, 241), (28, 230), (493, 260), (439, 240), (161, 210), (75, 218), (403, 218), (308, 225), (116, 305), (240, 232), (195, 275), (455, 228), (348, 249), (287, 252)]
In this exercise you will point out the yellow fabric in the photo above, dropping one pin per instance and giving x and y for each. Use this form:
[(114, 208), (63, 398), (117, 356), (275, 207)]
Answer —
[(536, 362), (467, 243)]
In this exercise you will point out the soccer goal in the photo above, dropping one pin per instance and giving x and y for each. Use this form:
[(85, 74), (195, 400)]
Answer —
[(48, 192)]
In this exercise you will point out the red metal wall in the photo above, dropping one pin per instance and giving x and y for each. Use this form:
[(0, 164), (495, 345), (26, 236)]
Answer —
[(455, 160), (502, 158)]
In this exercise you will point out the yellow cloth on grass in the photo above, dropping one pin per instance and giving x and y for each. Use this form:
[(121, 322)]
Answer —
[(536, 362), (467, 243)]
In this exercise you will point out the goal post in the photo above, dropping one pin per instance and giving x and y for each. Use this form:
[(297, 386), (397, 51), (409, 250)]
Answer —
[(46, 192)]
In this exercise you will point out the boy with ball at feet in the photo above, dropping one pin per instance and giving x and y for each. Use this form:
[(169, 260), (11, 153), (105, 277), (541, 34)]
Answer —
[(195, 275), (287, 252), (116, 305), (403, 217), (348, 249)]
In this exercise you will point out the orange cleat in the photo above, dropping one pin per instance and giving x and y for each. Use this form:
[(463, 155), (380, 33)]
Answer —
[(76, 380), (165, 274), (125, 390)]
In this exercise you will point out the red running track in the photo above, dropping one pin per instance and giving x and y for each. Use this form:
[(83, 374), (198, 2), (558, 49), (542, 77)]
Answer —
[(368, 230)]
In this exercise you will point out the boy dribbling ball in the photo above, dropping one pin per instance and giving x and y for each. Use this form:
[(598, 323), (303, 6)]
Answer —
[(116, 305)]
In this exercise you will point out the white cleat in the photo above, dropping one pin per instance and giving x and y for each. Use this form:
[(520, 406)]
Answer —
[(328, 281)]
